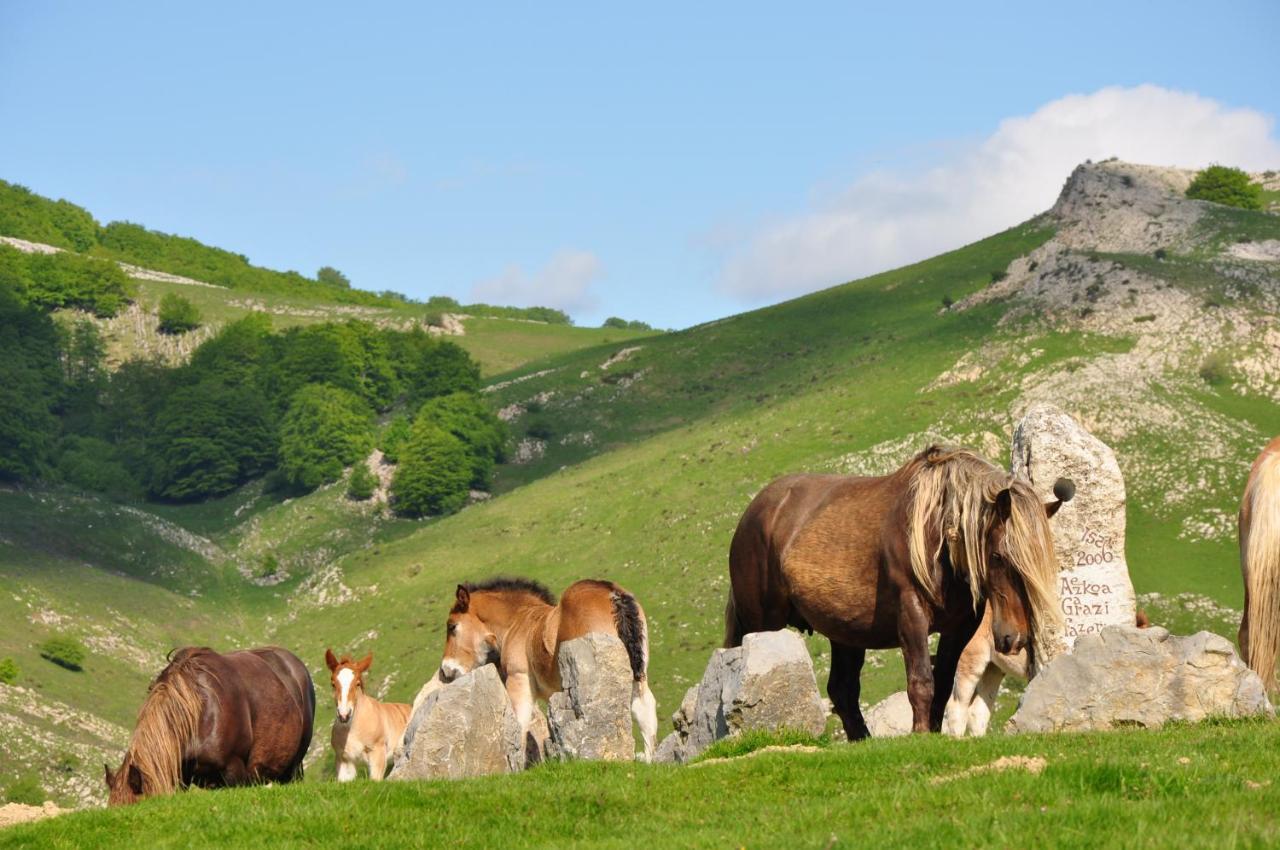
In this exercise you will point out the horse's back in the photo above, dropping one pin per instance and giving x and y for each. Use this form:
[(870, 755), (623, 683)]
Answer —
[(587, 606)]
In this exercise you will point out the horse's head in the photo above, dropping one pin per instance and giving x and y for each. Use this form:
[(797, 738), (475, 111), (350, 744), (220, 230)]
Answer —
[(468, 642), (1020, 561), (124, 786), (347, 678)]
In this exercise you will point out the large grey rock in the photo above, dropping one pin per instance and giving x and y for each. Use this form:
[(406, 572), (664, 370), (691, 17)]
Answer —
[(591, 717), (890, 717), (1125, 676), (465, 728), (767, 683), (1088, 532)]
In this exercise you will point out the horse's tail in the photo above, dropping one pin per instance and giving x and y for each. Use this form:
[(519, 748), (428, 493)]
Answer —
[(632, 630), (168, 720), (1260, 560)]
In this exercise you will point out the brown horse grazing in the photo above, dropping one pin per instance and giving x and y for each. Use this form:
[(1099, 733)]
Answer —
[(874, 563), (213, 720), (1260, 563), (365, 729), (517, 624)]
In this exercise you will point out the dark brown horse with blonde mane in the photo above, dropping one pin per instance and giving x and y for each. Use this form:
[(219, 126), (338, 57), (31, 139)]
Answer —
[(874, 563), (213, 720)]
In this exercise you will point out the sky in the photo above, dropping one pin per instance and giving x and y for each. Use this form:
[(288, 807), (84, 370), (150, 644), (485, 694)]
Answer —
[(672, 163)]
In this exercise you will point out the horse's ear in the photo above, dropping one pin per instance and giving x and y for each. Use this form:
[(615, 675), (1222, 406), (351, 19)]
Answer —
[(1004, 504), (463, 599), (330, 660), (135, 779), (365, 663)]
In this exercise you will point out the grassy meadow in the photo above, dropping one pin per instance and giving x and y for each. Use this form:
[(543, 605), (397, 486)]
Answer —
[(1204, 786)]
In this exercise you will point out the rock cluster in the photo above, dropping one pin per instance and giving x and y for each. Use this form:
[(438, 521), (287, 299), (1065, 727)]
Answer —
[(590, 718), (767, 683), (1124, 676)]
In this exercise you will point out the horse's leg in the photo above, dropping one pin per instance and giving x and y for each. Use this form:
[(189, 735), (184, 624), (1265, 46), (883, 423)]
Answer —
[(644, 708), (346, 769), (913, 635), (520, 691), (969, 671), (984, 703), (950, 649), (844, 686), (235, 772), (378, 761)]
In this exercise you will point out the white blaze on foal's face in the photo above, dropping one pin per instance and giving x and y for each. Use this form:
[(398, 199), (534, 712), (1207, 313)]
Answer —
[(346, 693)]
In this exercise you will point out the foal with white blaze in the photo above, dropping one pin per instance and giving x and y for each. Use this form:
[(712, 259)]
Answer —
[(518, 625), (364, 729)]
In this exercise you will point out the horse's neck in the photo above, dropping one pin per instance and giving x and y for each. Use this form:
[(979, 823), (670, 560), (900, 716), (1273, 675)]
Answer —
[(520, 631)]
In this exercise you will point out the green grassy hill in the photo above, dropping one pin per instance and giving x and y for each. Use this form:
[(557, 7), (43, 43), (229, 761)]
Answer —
[(633, 458)]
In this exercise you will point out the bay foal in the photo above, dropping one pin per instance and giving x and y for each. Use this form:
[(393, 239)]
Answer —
[(364, 729), (518, 625)]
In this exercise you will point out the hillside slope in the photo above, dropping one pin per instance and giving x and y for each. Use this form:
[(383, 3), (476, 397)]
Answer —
[(1133, 308)]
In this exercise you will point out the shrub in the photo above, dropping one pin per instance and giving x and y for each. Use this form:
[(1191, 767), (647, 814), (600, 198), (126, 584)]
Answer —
[(177, 314), (1214, 369), (269, 567), (8, 671), (1223, 185), (26, 790), (65, 651), (947, 301), (623, 324), (540, 428), (1160, 254), (433, 472), (94, 464), (325, 430), (997, 276), (362, 483)]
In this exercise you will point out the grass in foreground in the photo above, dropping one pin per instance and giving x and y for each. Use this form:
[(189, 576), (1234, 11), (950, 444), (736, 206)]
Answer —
[(1192, 786)]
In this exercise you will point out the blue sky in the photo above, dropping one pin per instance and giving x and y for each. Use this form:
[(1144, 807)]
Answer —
[(671, 163)]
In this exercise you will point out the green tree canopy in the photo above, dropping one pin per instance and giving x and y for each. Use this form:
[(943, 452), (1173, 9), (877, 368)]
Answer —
[(209, 438), (330, 276), (30, 388), (482, 433), (324, 430), (1223, 185), (433, 472)]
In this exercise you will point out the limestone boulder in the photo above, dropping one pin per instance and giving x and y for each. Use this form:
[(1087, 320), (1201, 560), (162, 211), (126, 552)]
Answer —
[(1125, 676), (767, 683), (464, 728), (890, 717), (1089, 530), (590, 718)]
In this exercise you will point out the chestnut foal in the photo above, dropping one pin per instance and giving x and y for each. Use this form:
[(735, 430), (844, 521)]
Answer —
[(364, 728)]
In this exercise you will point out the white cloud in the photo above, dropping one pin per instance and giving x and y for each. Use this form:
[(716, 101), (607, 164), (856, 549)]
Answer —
[(889, 218), (564, 283)]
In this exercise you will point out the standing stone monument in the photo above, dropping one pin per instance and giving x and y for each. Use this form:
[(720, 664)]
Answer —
[(1088, 532)]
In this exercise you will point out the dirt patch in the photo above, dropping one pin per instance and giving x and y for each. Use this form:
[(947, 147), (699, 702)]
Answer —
[(1031, 764), (772, 748), (15, 813)]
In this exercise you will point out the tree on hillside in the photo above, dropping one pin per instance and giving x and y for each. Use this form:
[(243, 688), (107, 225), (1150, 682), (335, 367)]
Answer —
[(325, 430), (394, 436), (30, 388), (330, 276), (1223, 185), (239, 354), (433, 472), (209, 438), (482, 433), (430, 367), (623, 324), (177, 314)]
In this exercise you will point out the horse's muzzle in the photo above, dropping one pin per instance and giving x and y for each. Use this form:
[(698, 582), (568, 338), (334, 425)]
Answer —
[(344, 718)]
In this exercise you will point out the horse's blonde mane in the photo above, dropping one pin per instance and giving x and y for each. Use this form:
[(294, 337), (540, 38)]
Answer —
[(167, 721), (1260, 552), (953, 501)]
